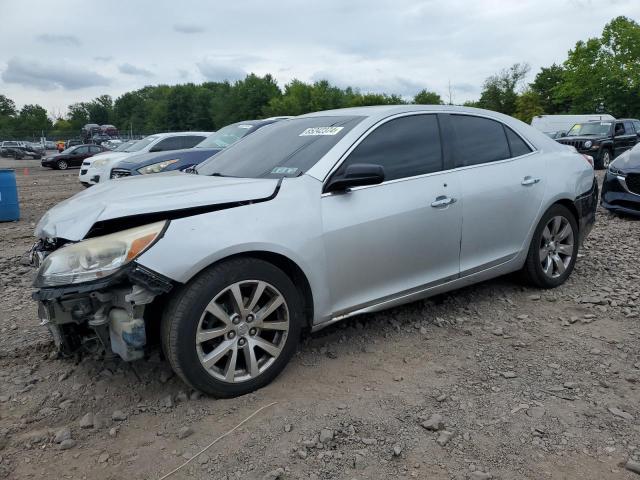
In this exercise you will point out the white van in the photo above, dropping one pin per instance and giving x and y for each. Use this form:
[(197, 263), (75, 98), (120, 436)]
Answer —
[(551, 124)]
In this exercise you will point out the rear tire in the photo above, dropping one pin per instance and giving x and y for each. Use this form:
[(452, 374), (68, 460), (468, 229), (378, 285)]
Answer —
[(215, 345), (554, 249)]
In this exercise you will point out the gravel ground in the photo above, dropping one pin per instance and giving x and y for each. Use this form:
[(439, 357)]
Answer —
[(494, 381)]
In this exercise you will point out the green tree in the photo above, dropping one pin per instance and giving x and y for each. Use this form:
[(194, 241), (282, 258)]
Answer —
[(7, 107), (604, 72), (547, 85), (32, 120), (425, 97), (528, 105), (100, 109), (499, 92)]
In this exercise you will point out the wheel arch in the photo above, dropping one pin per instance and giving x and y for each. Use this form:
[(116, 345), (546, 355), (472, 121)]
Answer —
[(289, 267), (570, 205)]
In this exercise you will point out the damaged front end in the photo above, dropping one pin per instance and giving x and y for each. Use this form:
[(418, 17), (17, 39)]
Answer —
[(94, 293)]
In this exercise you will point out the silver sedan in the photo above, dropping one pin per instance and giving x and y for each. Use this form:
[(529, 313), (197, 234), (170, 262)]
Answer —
[(304, 223)]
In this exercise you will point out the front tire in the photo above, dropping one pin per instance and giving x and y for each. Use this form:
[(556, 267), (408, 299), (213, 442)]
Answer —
[(62, 165), (554, 249), (233, 328), (603, 160)]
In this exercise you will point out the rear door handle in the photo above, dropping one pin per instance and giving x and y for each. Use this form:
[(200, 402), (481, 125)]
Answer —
[(442, 201), (529, 181)]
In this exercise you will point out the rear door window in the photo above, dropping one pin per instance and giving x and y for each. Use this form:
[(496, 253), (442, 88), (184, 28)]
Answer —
[(516, 143), (478, 140), (190, 141), (404, 147), (171, 143)]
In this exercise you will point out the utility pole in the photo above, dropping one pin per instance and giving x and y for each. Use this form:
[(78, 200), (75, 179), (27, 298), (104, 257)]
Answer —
[(450, 94)]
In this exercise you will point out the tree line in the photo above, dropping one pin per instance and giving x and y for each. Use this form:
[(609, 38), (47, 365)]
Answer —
[(600, 74)]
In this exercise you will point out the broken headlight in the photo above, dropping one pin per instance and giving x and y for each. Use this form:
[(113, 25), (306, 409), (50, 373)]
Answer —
[(98, 257)]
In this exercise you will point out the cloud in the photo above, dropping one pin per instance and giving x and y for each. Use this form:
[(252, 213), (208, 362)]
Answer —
[(30, 73), (68, 40), (103, 59), (221, 69), (188, 28), (129, 69)]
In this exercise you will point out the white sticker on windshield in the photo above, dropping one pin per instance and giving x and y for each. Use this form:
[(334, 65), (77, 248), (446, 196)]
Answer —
[(284, 171), (245, 126), (317, 131)]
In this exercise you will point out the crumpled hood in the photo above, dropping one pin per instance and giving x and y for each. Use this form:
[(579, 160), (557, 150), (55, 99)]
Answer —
[(163, 192)]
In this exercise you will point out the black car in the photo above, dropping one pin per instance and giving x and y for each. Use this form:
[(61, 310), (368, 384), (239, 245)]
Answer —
[(621, 185), (603, 140), (154, 162), (71, 157), (100, 137), (72, 142), (20, 151)]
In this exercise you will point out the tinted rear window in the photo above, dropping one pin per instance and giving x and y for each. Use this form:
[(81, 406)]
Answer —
[(478, 140), (282, 149), (518, 146)]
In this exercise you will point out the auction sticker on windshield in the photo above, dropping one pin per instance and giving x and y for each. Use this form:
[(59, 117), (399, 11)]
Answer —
[(316, 131)]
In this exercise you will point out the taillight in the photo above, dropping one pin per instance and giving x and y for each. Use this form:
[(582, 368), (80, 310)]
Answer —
[(588, 158)]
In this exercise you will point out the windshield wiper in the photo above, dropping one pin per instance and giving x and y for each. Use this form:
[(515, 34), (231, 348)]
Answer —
[(192, 169)]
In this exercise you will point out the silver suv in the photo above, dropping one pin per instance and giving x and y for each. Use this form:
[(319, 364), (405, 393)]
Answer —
[(304, 223)]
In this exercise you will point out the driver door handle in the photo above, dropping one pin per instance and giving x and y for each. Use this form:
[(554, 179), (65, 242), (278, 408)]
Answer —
[(442, 201), (529, 181)]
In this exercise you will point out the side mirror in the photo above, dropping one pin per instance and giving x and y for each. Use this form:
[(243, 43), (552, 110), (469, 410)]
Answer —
[(356, 175), (155, 149)]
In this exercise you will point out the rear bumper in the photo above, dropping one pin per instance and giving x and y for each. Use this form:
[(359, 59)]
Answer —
[(586, 205), (616, 196)]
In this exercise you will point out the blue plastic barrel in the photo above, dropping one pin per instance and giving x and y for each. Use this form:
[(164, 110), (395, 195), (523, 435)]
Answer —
[(9, 208)]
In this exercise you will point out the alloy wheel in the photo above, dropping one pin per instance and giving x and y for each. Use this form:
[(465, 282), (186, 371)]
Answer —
[(62, 165), (606, 159), (242, 331), (556, 246)]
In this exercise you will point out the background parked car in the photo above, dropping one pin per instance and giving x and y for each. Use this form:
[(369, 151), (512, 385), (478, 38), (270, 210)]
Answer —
[(110, 130), (112, 144), (99, 138), (97, 170), (7, 145), (72, 142), (184, 158), (20, 152), (562, 123), (621, 184), (71, 157), (603, 140), (88, 131)]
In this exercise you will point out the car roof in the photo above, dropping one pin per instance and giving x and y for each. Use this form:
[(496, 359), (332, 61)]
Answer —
[(178, 134), (383, 111)]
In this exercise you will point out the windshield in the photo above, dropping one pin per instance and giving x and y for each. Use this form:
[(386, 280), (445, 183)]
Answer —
[(226, 136), (591, 128), (124, 146), (69, 150), (140, 144), (283, 149)]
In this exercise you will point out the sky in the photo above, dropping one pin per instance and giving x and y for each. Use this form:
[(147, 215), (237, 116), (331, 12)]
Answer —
[(55, 53)]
